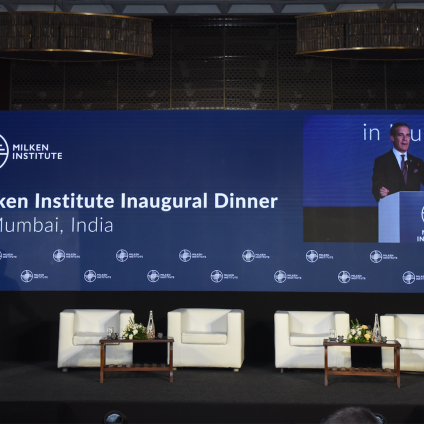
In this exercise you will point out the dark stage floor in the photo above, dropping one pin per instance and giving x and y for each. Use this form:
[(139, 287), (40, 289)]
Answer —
[(40, 393)]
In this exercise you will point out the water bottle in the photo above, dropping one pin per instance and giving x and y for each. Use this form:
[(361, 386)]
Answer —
[(151, 327), (376, 334)]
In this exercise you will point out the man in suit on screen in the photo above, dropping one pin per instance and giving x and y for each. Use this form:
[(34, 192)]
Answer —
[(397, 170)]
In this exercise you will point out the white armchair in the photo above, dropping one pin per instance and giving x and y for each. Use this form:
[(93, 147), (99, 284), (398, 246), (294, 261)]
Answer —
[(408, 330), (80, 331), (299, 336), (207, 337)]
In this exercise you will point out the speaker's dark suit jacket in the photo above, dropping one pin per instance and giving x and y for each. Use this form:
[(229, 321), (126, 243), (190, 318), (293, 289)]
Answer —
[(387, 174)]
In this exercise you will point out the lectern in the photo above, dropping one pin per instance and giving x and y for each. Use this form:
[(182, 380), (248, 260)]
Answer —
[(401, 218)]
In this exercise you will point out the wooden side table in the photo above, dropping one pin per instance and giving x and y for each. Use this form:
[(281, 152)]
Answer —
[(369, 372), (135, 367)]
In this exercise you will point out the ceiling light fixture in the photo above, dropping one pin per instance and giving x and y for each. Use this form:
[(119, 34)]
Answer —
[(390, 34), (59, 36)]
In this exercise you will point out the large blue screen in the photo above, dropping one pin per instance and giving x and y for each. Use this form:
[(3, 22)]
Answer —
[(191, 200)]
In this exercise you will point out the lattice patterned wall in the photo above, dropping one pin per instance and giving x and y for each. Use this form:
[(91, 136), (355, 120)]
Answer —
[(219, 64)]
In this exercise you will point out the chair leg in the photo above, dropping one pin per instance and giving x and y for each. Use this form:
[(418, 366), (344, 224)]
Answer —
[(64, 369), (236, 369), (282, 370)]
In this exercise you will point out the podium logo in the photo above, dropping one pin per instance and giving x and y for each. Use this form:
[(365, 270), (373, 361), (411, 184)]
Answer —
[(4, 151), (344, 277), (376, 256), (122, 255), (59, 255), (27, 276), (408, 277), (422, 211), (217, 276), (311, 256), (185, 255)]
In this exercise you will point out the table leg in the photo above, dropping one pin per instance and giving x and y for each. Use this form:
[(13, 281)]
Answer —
[(397, 359), (102, 361), (171, 361), (325, 366)]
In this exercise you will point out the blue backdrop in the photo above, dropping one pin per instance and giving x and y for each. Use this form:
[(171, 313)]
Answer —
[(194, 200)]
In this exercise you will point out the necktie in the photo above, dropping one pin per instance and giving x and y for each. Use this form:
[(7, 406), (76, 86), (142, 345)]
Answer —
[(404, 169)]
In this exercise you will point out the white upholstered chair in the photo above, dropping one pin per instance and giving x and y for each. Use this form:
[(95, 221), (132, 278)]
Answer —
[(299, 336), (207, 337), (80, 331), (408, 330)]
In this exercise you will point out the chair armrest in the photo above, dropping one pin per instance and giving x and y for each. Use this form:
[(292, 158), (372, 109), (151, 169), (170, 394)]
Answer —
[(342, 324), (388, 326), (124, 319), (281, 328), (235, 326), (66, 324), (174, 324), (66, 333)]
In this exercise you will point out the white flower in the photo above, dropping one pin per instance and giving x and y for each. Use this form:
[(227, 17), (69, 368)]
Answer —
[(353, 331), (131, 337)]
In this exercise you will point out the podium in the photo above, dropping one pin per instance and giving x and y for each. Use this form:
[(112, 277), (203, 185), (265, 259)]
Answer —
[(401, 218)]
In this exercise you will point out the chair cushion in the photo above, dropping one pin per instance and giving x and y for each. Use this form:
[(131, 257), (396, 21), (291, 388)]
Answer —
[(200, 337), (411, 343), (301, 339), (87, 338)]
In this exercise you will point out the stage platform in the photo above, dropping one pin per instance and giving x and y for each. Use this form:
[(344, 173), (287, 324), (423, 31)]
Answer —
[(40, 393)]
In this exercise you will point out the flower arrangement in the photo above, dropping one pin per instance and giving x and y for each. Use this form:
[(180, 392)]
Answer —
[(134, 331), (359, 333)]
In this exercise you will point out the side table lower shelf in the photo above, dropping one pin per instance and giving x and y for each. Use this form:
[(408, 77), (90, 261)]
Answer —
[(135, 367), (367, 372), (370, 372)]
